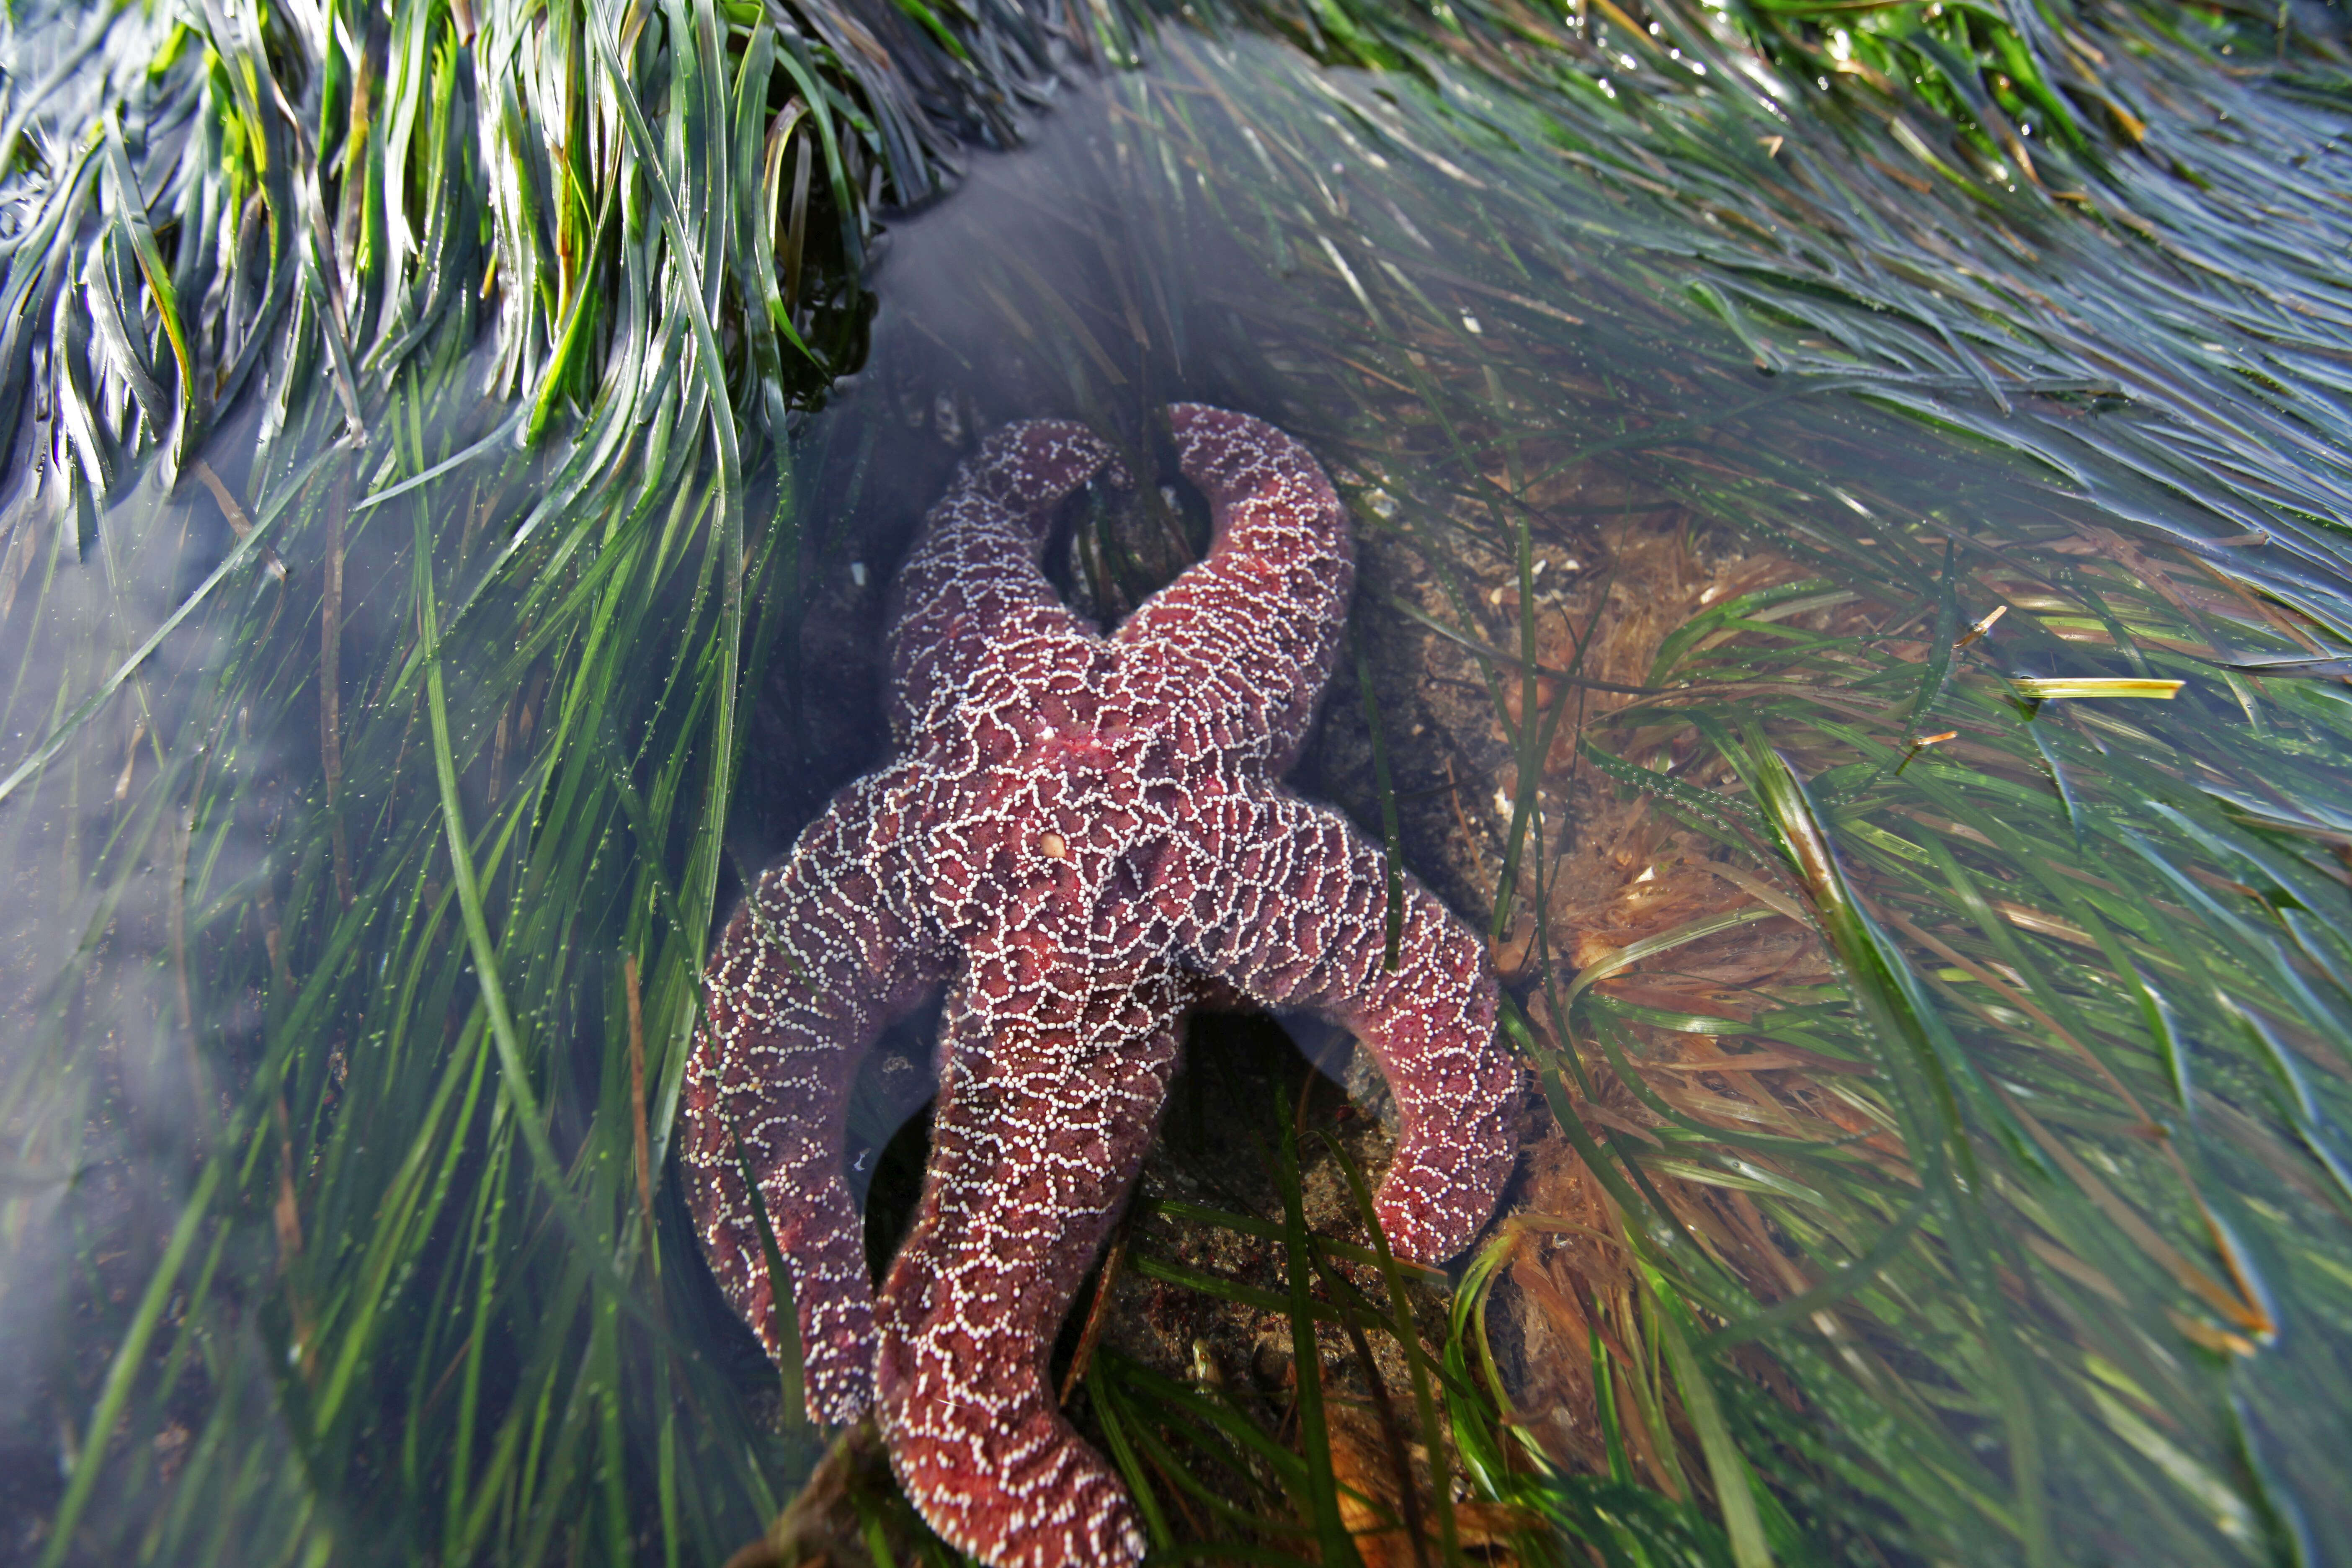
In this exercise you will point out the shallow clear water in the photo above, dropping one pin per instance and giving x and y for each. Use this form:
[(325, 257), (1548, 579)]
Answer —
[(1585, 380)]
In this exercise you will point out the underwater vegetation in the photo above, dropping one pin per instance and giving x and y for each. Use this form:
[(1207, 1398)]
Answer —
[(1852, 604)]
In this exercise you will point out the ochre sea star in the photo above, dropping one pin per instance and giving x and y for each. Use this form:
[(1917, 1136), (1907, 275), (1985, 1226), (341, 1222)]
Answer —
[(1082, 838)]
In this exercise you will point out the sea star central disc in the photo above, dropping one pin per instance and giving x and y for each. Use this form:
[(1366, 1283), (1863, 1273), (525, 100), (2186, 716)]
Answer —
[(1082, 838)]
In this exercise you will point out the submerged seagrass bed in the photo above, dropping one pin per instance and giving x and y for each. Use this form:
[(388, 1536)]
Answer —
[(1851, 609)]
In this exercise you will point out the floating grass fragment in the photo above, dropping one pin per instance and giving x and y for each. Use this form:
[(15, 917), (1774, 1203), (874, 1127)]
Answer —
[(1977, 632), (2051, 688)]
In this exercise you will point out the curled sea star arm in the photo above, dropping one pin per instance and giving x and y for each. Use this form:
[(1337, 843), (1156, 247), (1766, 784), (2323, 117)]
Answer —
[(1287, 903), (1049, 1095), (1251, 629), (972, 584), (828, 951)]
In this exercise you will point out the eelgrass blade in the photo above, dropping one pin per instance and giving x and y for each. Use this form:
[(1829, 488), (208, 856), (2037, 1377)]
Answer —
[(1393, 848), (1334, 1544), (1440, 1480)]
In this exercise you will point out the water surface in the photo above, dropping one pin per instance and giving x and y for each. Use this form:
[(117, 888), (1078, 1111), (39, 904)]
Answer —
[(1689, 448)]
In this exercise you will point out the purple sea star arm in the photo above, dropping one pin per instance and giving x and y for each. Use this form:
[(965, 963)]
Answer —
[(1251, 630), (971, 584), (1086, 830), (1289, 903), (829, 949), (1052, 1084)]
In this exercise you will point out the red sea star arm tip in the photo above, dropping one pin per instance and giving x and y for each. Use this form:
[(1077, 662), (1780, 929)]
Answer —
[(1051, 1088), (1251, 630), (972, 584), (826, 953), (1288, 902)]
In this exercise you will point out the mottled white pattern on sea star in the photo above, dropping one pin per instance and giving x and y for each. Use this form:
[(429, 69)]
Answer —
[(1082, 838)]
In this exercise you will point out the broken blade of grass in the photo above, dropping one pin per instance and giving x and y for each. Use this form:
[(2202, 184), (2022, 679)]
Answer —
[(2053, 687)]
